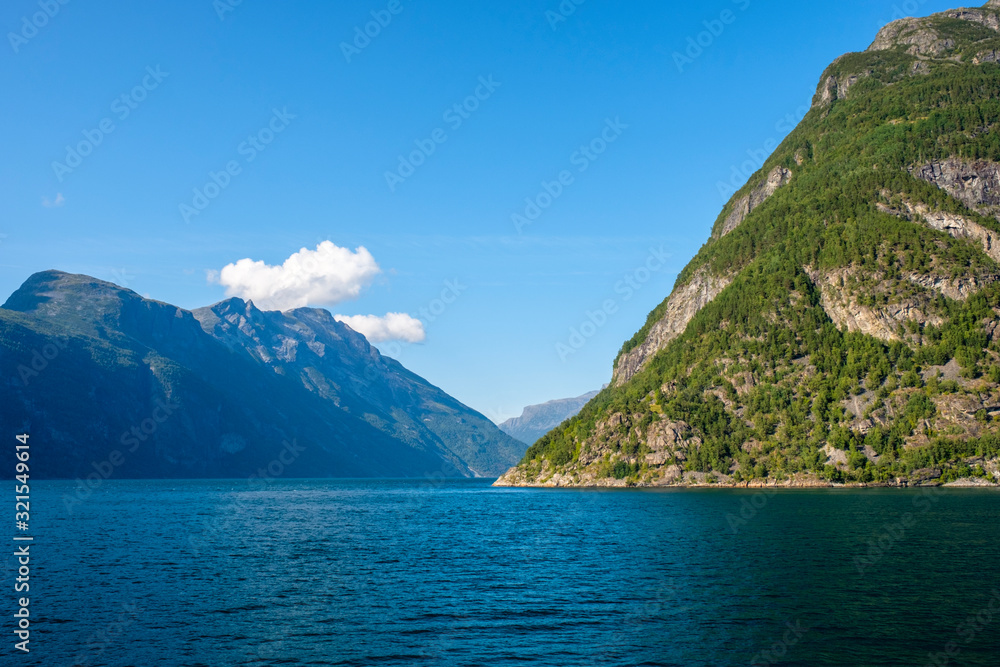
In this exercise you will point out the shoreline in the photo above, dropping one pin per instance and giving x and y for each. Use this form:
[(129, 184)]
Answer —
[(965, 483)]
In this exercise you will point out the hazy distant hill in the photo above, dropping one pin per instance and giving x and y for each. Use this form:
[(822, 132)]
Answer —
[(90, 368), (842, 323), (537, 420)]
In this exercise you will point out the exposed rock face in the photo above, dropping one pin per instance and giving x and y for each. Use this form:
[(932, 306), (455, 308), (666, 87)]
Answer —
[(837, 87), (686, 301), (669, 441), (923, 40), (986, 18), (920, 38), (958, 289), (682, 306), (881, 322), (988, 56), (957, 226), (975, 184), (666, 445), (778, 177), (916, 34), (835, 457)]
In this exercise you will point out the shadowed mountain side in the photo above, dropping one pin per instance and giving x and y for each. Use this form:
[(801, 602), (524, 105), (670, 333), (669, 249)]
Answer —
[(100, 376)]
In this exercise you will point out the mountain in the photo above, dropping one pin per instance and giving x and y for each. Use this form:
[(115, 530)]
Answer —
[(841, 324), (106, 381), (537, 420)]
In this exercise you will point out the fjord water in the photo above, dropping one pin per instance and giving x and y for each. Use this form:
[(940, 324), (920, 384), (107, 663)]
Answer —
[(458, 573)]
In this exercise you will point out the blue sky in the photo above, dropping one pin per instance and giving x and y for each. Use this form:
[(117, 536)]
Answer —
[(168, 94)]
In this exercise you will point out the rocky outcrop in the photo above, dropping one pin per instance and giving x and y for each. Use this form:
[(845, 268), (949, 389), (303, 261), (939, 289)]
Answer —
[(522, 476), (923, 38), (778, 177), (956, 226), (976, 184), (883, 322), (926, 39), (666, 445), (837, 87), (880, 322), (681, 308), (982, 17), (958, 289), (834, 457), (668, 442), (920, 38), (987, 56)]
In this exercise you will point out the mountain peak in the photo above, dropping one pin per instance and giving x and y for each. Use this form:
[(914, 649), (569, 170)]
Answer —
[(42, 287), (87, 304), (233, 306), (247, 382), (938, 35)]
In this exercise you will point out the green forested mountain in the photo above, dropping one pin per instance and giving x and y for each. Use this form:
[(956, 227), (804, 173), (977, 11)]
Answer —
[(841, 324)]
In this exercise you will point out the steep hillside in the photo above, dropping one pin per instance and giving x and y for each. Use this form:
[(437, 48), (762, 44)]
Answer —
[(537, 420), (92, 369), (841, 324)]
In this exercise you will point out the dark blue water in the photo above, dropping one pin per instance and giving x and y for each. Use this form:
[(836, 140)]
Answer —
[(458, 573)]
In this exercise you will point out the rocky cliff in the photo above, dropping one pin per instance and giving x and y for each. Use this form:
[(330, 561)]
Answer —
[(679, 310), (840, 325), (670, 320)]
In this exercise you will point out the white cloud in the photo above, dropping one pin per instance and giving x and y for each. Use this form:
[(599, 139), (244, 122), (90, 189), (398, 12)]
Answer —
[(59, 201), (325, 276), (394, 326)]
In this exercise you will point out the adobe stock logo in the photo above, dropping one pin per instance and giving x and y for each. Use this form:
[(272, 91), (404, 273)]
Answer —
[(381, 18), (122, 106), (902, 11), (627, 287), (455, 116), (223, 7), (40, 360), (582, 159), (704, 40), (740, 174), (31, 25), (566, 9), (249, 149)]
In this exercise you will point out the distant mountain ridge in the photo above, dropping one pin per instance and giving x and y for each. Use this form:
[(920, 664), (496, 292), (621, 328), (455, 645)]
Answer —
[(537, 420), (90, 365)]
